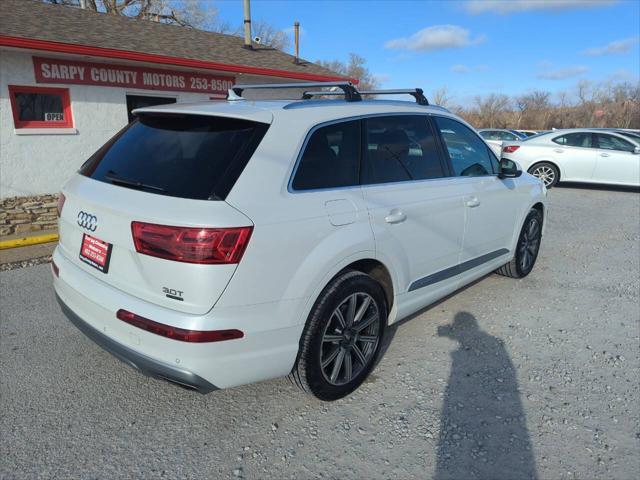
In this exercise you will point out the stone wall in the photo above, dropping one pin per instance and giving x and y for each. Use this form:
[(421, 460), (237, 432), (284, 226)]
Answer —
[(21, 215)]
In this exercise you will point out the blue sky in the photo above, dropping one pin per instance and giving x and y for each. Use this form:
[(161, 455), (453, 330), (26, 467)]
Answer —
[(472, 47)]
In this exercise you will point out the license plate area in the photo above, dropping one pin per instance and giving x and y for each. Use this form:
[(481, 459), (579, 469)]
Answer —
[(95, 252)]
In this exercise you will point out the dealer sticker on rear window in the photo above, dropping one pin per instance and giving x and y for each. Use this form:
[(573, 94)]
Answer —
[(95, 252)]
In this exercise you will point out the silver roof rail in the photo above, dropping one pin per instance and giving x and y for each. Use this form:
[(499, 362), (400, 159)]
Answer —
[(416, 93), (349, 91)]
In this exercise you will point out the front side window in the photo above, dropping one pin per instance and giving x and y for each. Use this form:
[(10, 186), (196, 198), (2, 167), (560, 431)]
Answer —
[(400, 148), (609, 142), (579, 139), (469, 155), (38, 107), (331, 158)]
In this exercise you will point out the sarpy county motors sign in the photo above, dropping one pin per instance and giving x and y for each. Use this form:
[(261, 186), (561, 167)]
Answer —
[(50, 70)]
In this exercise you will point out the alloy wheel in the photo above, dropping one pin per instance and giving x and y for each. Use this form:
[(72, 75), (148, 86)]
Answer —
[(350, 339), (529, 245), (544, 173)]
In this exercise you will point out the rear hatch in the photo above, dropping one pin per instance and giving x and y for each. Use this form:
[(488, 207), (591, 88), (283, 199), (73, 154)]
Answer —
[(146, 213)]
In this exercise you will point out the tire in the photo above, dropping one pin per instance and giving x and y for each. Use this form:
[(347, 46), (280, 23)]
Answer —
[(326, 342), (527, 247), (547, 172)]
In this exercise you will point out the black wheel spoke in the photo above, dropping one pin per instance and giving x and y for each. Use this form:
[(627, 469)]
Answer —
[(345, 352), (337, 366)]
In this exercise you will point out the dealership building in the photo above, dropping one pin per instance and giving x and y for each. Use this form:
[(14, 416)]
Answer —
[(69, 79)]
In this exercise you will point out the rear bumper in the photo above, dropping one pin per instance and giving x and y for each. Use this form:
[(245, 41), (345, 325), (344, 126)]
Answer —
[(267, 350), (143, 363)]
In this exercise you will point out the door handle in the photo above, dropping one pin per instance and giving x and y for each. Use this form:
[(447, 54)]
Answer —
[(558, 150), (395, 216), (605, 155), (472, 202)]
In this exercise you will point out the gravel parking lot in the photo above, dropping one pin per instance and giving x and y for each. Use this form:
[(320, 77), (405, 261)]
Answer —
[(537, 378)]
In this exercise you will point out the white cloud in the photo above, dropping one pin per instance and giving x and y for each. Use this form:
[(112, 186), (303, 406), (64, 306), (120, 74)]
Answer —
[(619, 46), (459, 68), (563, 73), (438, 37), (504, 7)]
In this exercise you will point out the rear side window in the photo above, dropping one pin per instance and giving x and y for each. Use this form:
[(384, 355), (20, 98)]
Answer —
[(400, 148), (188, 156), (331, 158), (609, 142), (470, 156), (575, 140)]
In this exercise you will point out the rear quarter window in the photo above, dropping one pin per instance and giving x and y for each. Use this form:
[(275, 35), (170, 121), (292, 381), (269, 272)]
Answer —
[(188, 156), (331, 158)]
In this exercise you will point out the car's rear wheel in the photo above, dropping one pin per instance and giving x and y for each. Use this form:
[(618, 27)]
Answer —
[(527, 247), (342, 337), (547, 172)]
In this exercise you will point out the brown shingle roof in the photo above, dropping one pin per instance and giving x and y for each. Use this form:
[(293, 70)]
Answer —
[(35, 20)]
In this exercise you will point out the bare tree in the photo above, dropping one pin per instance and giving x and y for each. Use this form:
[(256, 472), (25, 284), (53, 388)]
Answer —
[(271, 36), (201, 15), (354, 68), (442, 97)]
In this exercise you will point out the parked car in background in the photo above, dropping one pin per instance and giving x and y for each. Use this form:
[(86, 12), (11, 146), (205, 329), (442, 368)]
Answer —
[(578, 155), (314, 226), (496, 136), (528, 133), (632, 134)]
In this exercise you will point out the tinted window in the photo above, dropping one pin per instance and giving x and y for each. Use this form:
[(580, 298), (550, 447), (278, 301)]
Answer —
[(609, 142), (489, 135), (508, 136), (188, 156), (468, 153), (400, 148), (631, 135), (331, 158), (575, 140)]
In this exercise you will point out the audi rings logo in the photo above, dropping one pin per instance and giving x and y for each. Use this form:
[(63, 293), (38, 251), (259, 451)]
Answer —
[(87, 221)]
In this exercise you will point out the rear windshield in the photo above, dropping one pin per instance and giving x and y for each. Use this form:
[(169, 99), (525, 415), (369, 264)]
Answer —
[(188, 156)]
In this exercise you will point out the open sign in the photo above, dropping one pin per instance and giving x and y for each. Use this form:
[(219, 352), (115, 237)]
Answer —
[(53, 117)]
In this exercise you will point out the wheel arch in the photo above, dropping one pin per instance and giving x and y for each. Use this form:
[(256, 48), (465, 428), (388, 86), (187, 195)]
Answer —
[(376, 270)]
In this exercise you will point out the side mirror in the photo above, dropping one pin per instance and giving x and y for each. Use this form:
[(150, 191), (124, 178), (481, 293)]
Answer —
[(636, 150), (509, 169)]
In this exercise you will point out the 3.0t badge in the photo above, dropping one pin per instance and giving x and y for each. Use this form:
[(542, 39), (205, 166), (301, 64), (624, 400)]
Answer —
[(87, 221)]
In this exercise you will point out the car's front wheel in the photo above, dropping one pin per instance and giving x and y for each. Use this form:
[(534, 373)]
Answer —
[(527, 247), (342, 337), (547, 172)]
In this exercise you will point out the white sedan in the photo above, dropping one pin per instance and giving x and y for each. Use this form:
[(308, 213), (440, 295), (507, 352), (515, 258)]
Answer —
[(578, 155)]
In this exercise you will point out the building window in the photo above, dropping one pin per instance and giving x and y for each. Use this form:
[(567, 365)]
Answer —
[(39, 107)]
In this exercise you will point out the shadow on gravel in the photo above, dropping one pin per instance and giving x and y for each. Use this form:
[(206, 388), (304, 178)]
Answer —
[(483, 431)]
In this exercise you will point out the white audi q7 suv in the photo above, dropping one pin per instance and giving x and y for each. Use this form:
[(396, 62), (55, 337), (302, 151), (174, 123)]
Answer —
[(221, 243)]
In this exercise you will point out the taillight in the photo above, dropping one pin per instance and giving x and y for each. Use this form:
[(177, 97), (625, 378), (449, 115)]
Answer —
[(191, 245), (510, 148), (194, 336), (61, 200)]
